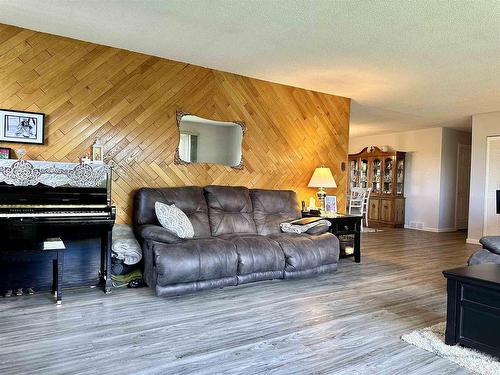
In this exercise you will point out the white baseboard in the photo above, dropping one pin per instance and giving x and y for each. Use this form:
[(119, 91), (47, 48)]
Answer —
[(472, 241), (430, 229), (442, 230)]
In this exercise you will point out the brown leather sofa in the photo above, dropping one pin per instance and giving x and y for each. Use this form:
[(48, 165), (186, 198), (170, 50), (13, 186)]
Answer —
[(237, 239)]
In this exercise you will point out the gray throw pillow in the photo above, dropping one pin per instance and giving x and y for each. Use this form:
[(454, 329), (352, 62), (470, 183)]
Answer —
[(173, 219)]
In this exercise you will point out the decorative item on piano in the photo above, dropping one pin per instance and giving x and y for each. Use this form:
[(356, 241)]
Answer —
[(85, 159), (5, 153), (21, 127), (20, 153), (54, 174), (97, 152)]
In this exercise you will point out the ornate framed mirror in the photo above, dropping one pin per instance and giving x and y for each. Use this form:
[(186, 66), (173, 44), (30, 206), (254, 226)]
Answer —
[(209, 141)]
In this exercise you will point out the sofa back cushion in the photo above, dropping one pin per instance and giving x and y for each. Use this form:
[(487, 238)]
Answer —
[(272, 207), (229, 210), (189, 199)]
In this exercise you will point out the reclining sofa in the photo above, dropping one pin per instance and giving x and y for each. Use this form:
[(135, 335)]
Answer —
[(237, 239), (490, 253)]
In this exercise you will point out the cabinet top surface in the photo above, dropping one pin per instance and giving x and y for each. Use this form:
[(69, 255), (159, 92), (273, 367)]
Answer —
[(376, 152), (489, 273), (333, 216)]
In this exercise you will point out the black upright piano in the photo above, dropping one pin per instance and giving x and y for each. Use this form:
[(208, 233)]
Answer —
[(40, 200)]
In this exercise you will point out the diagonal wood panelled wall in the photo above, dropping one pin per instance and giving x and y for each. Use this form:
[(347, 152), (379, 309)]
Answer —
[(129, 101)]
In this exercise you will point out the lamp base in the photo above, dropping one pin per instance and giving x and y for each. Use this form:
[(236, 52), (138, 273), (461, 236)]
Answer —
[(321, 196)]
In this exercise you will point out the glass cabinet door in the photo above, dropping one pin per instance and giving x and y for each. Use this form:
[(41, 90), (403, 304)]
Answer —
[(400, 176), (363, 175), (388, 167), (353, 173), (376, 175)]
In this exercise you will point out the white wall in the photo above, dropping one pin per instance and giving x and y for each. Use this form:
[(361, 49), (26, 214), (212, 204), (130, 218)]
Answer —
[(448, 190), (483, 125), (423, 169)]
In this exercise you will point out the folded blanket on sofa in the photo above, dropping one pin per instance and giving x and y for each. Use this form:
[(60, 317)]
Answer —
[(125, 246), (288, 227)]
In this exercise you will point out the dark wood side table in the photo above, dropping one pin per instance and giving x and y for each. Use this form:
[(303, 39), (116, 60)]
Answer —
[(345, 225), (29, 251), (473, 313)]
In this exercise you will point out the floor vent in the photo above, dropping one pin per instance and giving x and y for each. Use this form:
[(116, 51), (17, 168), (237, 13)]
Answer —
[(416, 224)]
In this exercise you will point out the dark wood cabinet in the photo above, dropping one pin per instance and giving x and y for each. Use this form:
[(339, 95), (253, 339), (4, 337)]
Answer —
[(383, 172), (473, 311)]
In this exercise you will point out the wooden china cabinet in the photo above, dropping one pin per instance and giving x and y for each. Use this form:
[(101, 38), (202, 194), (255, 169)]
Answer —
[(384, 172)]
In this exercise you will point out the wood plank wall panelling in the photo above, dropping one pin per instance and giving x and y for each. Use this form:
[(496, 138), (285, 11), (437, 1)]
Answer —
[(129, 100)]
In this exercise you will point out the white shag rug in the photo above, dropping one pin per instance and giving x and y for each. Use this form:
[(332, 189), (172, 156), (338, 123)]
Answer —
[(432, 340)]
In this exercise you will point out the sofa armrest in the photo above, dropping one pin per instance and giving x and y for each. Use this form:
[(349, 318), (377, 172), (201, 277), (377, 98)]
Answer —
[(157, 233), (318, 229), (491, 243)]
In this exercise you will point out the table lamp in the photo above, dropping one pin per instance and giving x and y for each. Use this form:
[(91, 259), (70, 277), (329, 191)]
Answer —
[(322, 178)]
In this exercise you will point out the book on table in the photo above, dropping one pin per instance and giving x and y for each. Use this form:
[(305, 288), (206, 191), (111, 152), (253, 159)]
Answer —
[(305, 220), (53, 244)]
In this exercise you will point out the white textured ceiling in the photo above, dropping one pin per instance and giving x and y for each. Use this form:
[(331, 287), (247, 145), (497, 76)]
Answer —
[(405, 64)]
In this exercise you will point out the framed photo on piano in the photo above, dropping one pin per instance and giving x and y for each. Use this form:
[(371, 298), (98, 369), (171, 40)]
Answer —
[(5, 153), (21, 127)]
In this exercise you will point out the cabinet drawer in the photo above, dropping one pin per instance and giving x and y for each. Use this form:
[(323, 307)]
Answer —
[(481, 295), (386, 210), (373, 209)]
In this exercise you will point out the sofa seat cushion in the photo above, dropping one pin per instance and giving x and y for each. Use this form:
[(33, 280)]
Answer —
[(303, 251), (256, 253), (230, 210), (194, 260)]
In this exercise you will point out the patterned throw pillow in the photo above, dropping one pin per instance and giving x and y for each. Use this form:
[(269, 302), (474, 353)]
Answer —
[(173, 219)]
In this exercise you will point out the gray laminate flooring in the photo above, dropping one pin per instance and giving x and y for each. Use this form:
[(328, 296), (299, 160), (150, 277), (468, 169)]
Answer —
[(349, 322)]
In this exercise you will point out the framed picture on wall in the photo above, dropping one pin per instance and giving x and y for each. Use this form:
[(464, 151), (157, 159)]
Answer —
[(21, 127), (5, 153), (331, 203)]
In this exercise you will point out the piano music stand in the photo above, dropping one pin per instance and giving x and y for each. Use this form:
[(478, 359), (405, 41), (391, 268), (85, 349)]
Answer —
[(29, 251)]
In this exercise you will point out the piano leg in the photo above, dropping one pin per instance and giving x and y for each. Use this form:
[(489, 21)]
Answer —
[(60, 270), (106, 241)]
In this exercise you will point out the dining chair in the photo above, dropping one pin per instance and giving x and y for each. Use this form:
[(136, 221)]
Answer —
[(359, 203)]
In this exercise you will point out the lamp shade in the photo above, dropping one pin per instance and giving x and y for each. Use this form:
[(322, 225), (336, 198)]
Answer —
[(322, 178)]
